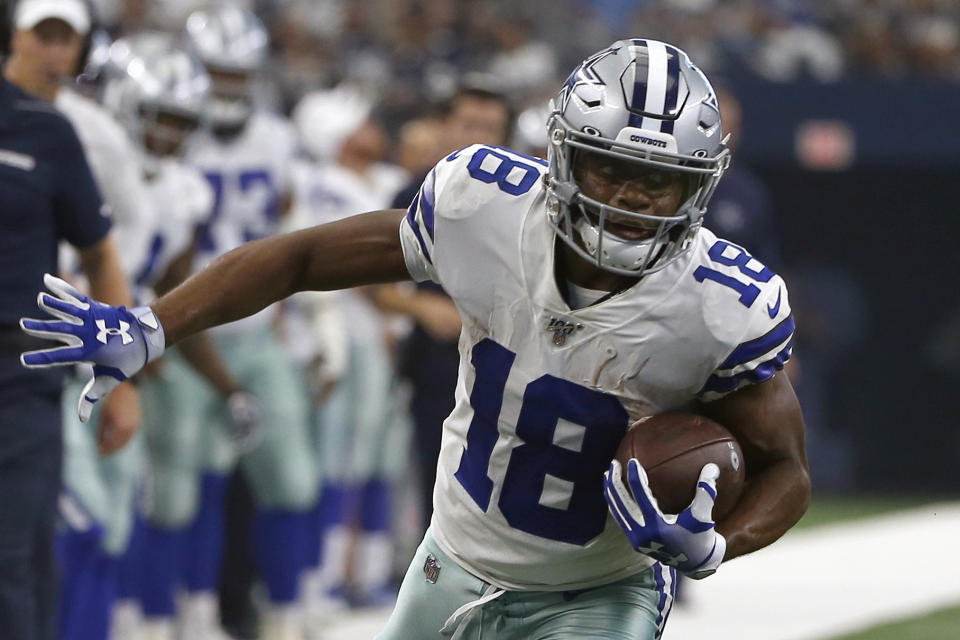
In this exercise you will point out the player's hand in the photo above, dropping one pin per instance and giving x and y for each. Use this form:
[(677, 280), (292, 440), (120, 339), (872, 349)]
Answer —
[(687, 541), (119, 418), (117, 341), (246, 418)]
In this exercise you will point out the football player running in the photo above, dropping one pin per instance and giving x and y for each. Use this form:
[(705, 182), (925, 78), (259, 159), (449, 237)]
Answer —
[(159, 92), (246, 156), (359, 432), (591, 296)]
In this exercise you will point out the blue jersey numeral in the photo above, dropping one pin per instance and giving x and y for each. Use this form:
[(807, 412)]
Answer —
[(247, 181), (503, 170), (748, 291), (568, 465), (492, 364)]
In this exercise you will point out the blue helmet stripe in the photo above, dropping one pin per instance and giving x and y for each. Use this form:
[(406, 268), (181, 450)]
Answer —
[(673, 87), (639, 92)]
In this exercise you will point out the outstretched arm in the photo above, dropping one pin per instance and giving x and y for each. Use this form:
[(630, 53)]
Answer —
[(119, 342), (363, 249)]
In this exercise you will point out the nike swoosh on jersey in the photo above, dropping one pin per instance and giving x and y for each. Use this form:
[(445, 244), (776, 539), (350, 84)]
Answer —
[(775, 309)]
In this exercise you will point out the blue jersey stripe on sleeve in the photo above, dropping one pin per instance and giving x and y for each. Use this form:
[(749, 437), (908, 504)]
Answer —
[(428, 199), (763, 371), (412, 221), (755, 348)]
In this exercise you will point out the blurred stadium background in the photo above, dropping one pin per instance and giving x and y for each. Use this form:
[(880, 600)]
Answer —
[(848, 152)]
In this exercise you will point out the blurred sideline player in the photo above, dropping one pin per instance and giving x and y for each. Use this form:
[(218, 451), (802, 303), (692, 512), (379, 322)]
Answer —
[(159, 94), (429, 357), (358, 440), (96, 503), (591, 296), (245, 156)]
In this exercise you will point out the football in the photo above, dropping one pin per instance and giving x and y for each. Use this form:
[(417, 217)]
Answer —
[(673, 447)]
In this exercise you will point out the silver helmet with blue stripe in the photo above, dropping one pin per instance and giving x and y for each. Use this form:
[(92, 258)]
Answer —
[(643, 108), (232, 42), (158, 91)]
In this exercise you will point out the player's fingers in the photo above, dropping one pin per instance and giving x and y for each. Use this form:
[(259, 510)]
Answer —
[(706, 494), (66, 311), (98, 387), (628, 502), (88, 398), (52, 330), (52, 357), (640, 486), (65, 290), (615, 504)]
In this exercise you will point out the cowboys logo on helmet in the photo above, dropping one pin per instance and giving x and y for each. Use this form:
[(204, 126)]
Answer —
[(232, 43), (158, 92), (634, 127)]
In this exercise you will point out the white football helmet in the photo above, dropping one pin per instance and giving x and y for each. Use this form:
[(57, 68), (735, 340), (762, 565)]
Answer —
[(233, 44), (642, 102), (155, 89)]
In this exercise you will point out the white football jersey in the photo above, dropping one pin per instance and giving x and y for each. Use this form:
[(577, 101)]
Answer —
[(181, 199), (250, 178), (114, 161), (546, 392), (328, 192)]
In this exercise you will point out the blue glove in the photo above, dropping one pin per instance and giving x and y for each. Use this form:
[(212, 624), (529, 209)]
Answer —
[(117, 341), (687, 541)]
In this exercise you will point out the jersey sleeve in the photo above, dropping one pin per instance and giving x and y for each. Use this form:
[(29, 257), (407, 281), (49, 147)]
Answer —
[(284, 146), (467, 206), (198, 196), (82, 218), (115, 164), (417, 230), (763, 349)]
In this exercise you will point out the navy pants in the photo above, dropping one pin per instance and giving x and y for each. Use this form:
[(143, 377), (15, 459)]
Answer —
[(30, 459)]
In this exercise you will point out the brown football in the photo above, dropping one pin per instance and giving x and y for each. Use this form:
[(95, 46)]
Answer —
[(673, 447)]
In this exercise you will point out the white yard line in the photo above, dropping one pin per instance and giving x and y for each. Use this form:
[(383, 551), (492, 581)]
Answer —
[(822, 582), (813, 584)]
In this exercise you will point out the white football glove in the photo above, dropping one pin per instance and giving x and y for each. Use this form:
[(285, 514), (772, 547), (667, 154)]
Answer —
[(117, 341), (687, 541)]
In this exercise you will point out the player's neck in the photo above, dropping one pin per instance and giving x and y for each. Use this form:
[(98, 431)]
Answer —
[(572, 267)]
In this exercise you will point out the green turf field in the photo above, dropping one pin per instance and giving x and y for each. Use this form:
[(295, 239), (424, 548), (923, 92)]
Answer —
[(940, 625)]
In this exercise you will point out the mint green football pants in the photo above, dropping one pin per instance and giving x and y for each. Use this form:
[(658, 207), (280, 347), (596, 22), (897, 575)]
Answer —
[(187, 431), (101, 488), (177, 435), (361, 431), (281, 470), (635, 608)]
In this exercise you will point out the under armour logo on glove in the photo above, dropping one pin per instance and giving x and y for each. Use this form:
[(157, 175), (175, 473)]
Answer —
[(89, 330), (110, 331), (687, 541)]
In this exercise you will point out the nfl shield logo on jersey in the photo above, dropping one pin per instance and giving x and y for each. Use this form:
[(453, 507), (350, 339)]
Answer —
[(431, 569), (561, 329)]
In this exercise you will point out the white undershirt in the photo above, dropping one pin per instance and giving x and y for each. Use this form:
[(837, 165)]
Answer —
[(581, 297)]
